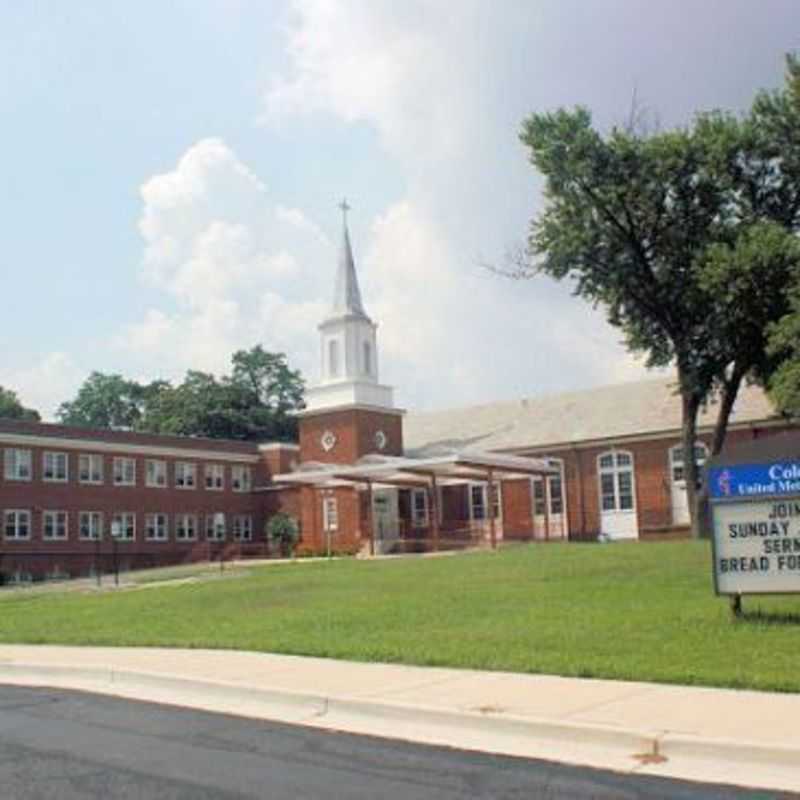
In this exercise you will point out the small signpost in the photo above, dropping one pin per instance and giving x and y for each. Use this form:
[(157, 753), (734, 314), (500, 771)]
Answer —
[(755, 510), (116, 535)]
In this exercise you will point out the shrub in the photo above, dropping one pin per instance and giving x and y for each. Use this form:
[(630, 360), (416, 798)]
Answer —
[(283, 531)]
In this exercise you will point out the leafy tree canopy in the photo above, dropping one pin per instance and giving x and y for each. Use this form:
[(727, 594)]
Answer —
[(684, 237), (254, 402), (12, 408), (107, 401)]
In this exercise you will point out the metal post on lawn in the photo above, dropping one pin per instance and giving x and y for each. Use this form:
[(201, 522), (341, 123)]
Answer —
[(736, 605), (97, 575), (116, 533)]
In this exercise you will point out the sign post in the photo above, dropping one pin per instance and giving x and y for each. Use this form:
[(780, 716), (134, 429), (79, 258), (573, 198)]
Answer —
[(116, 535), (755, 510)]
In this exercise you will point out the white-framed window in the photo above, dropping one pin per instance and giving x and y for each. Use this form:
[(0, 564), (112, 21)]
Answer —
[(615, 472), (54, 467), (478, 501), (155, 473), (90, 525), (419, 508), (17, 523), (215, 477), (54, 525), (241, 478), (185, 475), (215, 527), (156, 527), (555, 490), (678, 465), (330, 514), (126, 520), (242, 528), (18, 464), (124, 471), (90, 468), (186, 527)]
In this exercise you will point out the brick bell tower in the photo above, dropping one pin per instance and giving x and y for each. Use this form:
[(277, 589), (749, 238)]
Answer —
[(349, 413)]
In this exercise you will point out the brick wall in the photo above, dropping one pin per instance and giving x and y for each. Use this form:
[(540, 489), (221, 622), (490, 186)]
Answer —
[(355, 431), (38, 495)]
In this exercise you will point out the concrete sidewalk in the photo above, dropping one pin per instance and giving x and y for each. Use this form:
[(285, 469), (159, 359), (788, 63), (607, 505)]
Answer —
[(716, 735)]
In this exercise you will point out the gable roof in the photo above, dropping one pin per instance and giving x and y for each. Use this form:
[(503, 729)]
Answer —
[(618, 411)]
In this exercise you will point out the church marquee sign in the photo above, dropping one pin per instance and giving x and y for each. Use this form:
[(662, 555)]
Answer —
[(755, 510)]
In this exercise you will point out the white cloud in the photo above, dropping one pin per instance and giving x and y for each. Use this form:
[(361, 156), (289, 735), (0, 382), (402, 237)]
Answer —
[(233, 263), (431, 78), (45, 384)]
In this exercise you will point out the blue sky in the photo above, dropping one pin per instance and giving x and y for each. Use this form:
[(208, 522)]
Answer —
[(172, 170)]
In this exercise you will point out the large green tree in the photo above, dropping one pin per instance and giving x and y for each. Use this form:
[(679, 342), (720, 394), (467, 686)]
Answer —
[(107, 401), (255, 402), (684, 237), (12, 408)]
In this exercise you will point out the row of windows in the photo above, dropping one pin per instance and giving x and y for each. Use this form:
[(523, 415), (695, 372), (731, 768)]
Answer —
[(91, 526), (18, 466)]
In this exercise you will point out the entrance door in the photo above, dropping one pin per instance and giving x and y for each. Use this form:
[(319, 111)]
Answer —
[(386, 518), (479, 510), (550, 491), (677, 474), (617, 495)]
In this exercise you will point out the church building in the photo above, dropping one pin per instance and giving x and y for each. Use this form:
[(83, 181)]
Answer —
[(365, 477)]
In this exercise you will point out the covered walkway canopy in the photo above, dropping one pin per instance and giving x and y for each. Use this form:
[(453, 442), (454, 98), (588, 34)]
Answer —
[(426, 472)]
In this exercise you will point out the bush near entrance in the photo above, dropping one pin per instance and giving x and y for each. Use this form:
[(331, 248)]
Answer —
[(283, 531), (636, 611)]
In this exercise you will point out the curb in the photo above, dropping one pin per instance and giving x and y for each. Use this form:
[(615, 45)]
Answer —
[(609, 747)]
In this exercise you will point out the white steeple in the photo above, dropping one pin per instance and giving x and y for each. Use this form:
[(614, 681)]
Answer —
[(348, 344), (347, 295)]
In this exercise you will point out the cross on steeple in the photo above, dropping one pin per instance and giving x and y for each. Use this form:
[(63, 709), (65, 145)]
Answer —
[(345, 206)]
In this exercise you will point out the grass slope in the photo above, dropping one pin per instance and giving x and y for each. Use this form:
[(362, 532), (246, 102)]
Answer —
[(633, 611)]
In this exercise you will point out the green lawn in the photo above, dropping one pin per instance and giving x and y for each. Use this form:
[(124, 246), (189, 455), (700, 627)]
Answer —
[(634, 611)]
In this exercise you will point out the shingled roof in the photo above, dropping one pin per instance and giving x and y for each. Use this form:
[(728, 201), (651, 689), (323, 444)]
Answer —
[(622, 410)]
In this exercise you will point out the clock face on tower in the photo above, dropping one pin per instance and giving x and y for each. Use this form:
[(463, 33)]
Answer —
[(328, 441), (380, 440)]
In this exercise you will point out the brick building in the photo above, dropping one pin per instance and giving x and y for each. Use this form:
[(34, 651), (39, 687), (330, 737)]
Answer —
[(364, 477)]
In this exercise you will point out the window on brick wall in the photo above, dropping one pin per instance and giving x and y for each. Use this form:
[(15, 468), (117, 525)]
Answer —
[(54, 525), (54, 467), (241, 478), (186, 527), (215, 477), (125, 523), (615, 470), (17, 524), (479, 501), (156, 527), (90, 525), (419, 508), (124, 471), (155, 473), (242, 528), (17, 464), (215, 527), (90, 468), (185, 475)]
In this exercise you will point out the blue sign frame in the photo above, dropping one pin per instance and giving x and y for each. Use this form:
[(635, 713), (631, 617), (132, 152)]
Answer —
[(754, 481)]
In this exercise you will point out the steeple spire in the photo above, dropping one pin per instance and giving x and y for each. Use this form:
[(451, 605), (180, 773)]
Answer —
[(347, 295)]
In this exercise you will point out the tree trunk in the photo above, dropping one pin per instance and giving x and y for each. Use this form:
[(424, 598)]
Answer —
[(689, 407), (727, 398)]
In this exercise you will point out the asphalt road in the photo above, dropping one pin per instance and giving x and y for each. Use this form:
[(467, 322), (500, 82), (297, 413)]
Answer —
[(64, 745)]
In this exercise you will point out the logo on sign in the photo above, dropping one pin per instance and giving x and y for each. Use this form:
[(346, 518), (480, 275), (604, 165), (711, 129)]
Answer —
[(724, 482)]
